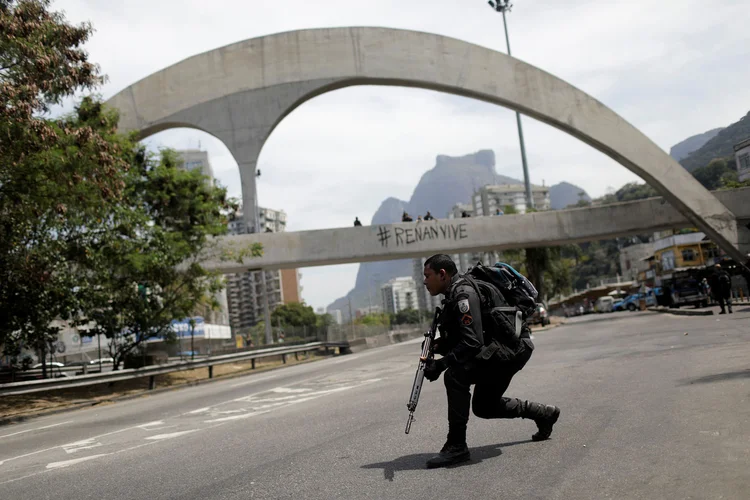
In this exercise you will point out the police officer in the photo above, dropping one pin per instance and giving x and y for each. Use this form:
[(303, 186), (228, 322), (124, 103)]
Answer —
[(721, 287), (461, 339)]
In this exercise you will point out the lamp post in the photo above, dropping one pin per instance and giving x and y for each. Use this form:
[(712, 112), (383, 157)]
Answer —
[(504, 6)]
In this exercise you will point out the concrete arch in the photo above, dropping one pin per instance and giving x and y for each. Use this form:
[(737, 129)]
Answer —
[(240, 92)]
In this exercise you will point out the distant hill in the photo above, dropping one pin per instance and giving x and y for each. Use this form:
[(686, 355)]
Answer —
[(683, 149), (452, 180), (565, 194), (721, 146)]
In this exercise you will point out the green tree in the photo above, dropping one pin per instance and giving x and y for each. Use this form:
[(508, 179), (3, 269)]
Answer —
[(558, 276), (374, 319), (407, 316), (323, 321), (57, 177), (144, 270), (294, 314), (716, 174), (582, 201), (734, 184)]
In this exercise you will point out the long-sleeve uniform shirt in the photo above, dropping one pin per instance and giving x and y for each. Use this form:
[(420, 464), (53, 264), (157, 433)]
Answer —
[(461, 323)]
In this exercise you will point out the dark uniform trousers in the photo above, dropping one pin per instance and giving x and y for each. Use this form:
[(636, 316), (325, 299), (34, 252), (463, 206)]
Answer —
[(490, 379)]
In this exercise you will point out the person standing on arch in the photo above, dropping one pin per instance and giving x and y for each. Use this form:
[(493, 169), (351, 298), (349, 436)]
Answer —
[(461, 340)]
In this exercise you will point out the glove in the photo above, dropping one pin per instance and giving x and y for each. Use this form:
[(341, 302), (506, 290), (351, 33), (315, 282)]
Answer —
[(436, 343), (433, 368), (441, 346)]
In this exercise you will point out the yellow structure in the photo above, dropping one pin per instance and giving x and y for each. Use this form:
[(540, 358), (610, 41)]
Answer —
[(677, 252)]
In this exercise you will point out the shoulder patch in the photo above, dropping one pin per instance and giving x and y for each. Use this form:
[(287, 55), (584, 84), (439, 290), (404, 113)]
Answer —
[(467, 320), (463, 305)]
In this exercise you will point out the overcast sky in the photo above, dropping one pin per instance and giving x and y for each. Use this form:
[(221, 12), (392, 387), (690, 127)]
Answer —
[(672, 68)]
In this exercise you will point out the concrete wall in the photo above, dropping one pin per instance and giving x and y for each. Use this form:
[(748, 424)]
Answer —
[(409, 239), (240, 92)]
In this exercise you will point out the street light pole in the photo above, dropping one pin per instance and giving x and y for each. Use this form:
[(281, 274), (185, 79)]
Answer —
[(502, 6)]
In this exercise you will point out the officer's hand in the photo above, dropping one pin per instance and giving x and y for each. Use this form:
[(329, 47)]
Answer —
[(433, 368), (440, 346)]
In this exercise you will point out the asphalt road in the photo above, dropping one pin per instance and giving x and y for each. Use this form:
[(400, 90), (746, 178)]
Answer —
[(647, 412)]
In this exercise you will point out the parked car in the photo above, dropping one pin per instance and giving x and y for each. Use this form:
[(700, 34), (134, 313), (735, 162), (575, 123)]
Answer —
[(51, 364), (540, 316), (688, 292), (576, 310), (105, 361), (604, 304), (632, 302)]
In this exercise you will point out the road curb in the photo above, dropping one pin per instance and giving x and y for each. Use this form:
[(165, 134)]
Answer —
[(87, 404), (388, 339), (678, 312)]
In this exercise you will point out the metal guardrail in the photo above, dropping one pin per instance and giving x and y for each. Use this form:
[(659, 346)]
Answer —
[(18, 388)]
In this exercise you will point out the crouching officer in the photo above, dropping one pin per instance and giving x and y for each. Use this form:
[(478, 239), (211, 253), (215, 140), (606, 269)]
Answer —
[(461, 340)]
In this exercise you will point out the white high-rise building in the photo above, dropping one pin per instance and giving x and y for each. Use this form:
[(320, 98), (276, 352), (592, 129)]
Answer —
[(464, 261), (195, 159), (399, 294), (491, 198), (742, 157), (244, 290), (337, 316)]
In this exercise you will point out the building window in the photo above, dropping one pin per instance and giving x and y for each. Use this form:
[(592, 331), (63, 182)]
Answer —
[(667, 260), (744, 160), (688, 255)]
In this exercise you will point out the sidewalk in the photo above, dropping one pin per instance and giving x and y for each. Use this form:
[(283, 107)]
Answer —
[(700, 311)]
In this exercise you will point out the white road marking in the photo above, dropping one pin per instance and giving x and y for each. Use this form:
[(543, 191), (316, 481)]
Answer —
[(236, 417), (62, 445), (172, 435), (287, 390), (28, 454), (284, 401), (68, 463), (86, 444), (199, 410), (36, 429), (150, 424)]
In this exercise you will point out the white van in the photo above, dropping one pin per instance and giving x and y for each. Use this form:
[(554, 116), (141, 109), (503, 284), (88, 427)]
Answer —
[(604, 304)]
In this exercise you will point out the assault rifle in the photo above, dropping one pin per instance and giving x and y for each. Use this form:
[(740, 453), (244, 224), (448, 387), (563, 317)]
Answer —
[(427, 353)]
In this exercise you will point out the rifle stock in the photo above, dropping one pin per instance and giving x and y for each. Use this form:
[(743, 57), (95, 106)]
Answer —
[(427, 353)]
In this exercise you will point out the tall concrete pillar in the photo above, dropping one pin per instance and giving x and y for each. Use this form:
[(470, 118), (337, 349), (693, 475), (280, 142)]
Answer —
[(743, 233)]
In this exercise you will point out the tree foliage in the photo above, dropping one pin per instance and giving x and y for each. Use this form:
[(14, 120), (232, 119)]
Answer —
[(144, 269), (294, 314), (717, 173), (57, 177), (92, 229), (374, 319), (407, 317), (720, 146)]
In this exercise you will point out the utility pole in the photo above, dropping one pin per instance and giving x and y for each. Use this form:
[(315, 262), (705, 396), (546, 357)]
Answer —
[(192, 338), (351, 317), (504, 6)]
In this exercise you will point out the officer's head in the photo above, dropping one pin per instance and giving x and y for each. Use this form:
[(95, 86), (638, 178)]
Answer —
[(438, 271)]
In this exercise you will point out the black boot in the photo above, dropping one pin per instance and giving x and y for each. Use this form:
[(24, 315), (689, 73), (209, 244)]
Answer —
[(545, 417), (450, 454)]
